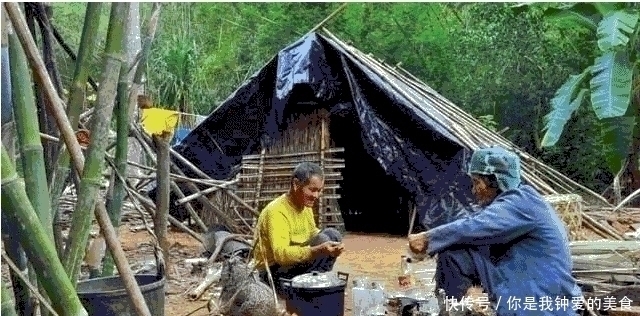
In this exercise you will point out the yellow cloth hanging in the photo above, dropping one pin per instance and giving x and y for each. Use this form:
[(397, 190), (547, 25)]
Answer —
[(157, 121)]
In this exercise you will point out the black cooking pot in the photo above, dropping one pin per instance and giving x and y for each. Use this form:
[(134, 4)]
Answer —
[(316, 294)]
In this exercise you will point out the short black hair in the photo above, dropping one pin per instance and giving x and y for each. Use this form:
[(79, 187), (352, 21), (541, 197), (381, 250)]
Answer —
[(305, 170)]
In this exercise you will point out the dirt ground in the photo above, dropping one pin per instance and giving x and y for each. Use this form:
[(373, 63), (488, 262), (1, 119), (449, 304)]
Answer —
[(376, 257)]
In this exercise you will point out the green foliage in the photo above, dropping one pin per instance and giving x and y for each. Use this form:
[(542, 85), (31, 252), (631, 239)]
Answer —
[(615, 26), (611, 84), (488, 122), (614, 29), (562, 107)]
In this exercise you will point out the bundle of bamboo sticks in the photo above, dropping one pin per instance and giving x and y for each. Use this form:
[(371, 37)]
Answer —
[(470, 133)]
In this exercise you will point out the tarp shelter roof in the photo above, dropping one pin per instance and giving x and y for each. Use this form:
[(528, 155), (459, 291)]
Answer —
[(415, 135)]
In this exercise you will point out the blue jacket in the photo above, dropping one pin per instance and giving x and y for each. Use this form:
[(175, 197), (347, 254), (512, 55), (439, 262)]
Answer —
[(536, 264)]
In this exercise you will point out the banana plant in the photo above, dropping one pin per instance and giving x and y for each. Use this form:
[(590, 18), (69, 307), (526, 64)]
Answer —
[(609, 83)]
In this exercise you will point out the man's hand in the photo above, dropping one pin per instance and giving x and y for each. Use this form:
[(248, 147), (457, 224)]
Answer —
[(418, 243), (329, 248), (336, 249)]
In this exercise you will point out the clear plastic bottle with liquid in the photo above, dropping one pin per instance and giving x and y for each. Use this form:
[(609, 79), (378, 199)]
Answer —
[(405, 279)]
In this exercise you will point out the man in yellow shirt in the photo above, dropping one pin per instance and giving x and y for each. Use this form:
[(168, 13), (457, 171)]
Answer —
[(287, 238)]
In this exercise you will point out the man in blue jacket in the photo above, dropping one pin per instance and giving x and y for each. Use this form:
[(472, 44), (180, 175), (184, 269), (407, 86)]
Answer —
[(516, 248)]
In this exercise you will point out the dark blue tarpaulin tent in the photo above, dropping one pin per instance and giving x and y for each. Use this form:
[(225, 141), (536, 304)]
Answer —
[(403, 141), (394, 151)]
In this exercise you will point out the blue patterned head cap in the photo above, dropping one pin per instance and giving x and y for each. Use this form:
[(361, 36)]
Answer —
[(495, 160)]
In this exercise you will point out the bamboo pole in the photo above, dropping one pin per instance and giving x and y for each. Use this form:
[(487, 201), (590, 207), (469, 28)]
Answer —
[(116, 194), (39, 248), (260, 177), (13, 248), (8, 306), (76, 100), (92, 176), (176, 189), (31, 287), (31, 150), (214, 183), (28, 135), (162, 198), (183, 200), (56, 109)]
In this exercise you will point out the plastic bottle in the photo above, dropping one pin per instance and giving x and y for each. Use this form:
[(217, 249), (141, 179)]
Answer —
[(405, 279)]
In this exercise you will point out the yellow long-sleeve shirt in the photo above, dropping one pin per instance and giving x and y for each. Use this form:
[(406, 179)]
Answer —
[(282, 233)]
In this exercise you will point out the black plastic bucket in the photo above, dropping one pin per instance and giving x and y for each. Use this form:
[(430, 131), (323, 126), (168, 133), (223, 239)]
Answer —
[(108, 297), (328, 301)]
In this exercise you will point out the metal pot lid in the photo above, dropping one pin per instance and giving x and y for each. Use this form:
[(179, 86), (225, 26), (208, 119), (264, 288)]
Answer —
[(317, 280)]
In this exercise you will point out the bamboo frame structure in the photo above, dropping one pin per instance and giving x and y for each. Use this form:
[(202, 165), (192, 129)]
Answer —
[(267, 175)]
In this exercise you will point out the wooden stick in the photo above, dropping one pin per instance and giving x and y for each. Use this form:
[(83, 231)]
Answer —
[(173, 175), (329, 17), (192, 212), (414, 212), (204, 175), (150, 206), (260, 177), (145, 141), (162, 197), (323, 131), (197, 194), (290, 155), (56, 109), (607, 230), (212, 276)]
